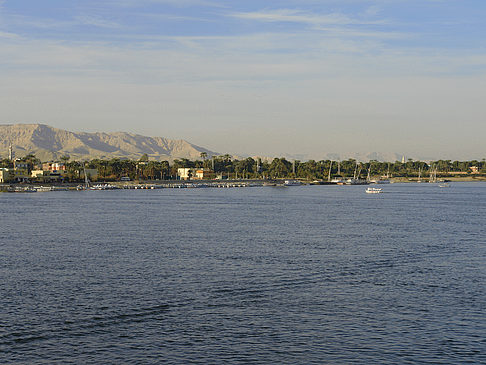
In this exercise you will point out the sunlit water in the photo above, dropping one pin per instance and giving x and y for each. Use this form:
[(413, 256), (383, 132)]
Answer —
[(297, 275)]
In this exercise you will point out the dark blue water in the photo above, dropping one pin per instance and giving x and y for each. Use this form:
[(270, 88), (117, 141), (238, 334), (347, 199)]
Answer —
[(298, 275)]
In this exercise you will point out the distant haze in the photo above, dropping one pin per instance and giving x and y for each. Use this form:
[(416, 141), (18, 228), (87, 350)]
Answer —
[(300, 78)]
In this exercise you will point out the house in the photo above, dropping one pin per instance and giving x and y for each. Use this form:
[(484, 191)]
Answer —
[(58, 168), (474, 170), (6, 175), (45, 176), (204, 174), (21, 165), (185, 173), (21, 175)]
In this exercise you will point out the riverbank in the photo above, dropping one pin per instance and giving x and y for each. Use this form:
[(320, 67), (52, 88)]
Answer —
[(469, 178), (178, 184)]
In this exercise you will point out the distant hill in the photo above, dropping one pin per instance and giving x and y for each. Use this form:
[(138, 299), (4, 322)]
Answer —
[(49, 143)]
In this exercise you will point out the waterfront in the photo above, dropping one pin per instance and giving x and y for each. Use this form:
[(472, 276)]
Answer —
[(310, 274)]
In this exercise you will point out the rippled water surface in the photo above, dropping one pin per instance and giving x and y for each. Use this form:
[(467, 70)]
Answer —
[(297, 275)]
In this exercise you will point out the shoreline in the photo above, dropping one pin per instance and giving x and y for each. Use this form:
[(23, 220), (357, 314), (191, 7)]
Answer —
[(162, 184)]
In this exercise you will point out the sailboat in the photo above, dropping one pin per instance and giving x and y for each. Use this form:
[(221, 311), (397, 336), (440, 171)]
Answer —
[(87, 183), (419, 180), (356, 180), (385, 180), (337, 180)]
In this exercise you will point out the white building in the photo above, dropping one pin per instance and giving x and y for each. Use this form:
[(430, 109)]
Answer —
[(185, 173)]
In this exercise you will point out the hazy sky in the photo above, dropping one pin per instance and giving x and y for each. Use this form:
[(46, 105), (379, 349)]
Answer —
[(254, 77)]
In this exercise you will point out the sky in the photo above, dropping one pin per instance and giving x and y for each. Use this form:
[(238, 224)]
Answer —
[(304, 78)]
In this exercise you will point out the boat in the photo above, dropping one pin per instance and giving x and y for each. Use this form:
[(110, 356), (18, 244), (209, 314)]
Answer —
[(444, 185), (338, 181), (44, 188), (292, 183), (356, 182), (21, 189), (373, 190), (103, 187), (383, 179)]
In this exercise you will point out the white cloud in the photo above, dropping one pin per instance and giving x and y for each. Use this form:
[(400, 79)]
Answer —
[(8, 35), (96, 21), (175, 3), (299, 16)]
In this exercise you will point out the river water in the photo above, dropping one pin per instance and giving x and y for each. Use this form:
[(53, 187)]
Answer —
[(295, 275)]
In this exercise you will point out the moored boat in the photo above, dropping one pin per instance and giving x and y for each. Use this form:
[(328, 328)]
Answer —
[(292, 183)]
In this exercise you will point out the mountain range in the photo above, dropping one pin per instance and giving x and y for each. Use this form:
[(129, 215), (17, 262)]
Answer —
[(49, 143)]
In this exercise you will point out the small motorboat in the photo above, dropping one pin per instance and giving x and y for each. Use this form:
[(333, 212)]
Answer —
[(373, 191)]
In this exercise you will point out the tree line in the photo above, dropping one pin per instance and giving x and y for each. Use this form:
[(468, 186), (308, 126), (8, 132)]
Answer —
[(254, 168)]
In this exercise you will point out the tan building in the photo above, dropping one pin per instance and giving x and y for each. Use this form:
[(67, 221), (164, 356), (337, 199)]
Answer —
[(36, 174), (56, 167), (6, 175), (21, 175), (204, 174), (45, 176)]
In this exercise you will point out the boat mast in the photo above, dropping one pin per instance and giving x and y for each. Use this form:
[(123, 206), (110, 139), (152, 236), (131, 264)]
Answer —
[(86, 180)]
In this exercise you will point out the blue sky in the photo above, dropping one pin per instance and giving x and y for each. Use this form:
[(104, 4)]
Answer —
[(254, 77)]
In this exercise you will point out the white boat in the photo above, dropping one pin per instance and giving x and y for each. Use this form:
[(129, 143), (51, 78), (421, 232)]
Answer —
[(339, 181), (292, 183), (373, 191), (103, 187), (444, 185), (44, 188)]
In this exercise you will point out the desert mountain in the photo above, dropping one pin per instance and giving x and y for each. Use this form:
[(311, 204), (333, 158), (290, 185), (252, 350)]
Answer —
[(49, 143)]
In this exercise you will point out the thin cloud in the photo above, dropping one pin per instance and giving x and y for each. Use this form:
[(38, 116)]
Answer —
[(9, 35), (175, 3), (96, 21), (298, 16)]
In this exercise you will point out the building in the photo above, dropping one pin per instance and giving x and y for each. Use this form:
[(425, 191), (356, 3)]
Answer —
[(6, 175), (56, 167), (21, 165), (204, 174), (474, 170), (185, 173), (45, 176), (21, 175)]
